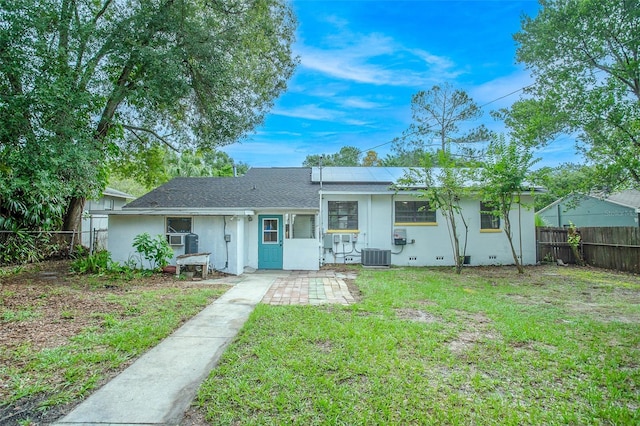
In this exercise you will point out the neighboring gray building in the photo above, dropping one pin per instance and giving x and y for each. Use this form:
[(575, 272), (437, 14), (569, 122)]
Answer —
[(95, 220), (619, 209)]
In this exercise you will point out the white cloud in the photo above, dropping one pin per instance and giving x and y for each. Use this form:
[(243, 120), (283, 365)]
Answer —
[(310, 112), (360, 103), (367, 58), (501, 92), (354, 122)]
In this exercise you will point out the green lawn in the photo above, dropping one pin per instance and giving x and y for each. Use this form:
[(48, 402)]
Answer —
[(425, 346)]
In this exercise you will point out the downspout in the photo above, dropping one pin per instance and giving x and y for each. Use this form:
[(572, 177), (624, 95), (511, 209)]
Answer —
[(392, 219), (320, 222), (224, 233), (369, 224), (320, 231), (320, 172)]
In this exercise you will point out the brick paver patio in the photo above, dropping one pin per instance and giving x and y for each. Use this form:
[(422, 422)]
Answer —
[(310, 288)]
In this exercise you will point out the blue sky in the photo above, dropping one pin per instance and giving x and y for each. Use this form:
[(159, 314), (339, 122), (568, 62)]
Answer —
[(362, 60)]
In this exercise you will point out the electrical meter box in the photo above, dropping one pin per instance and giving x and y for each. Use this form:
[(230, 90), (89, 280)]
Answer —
[(354, 238), (327, 241), (400, 236)]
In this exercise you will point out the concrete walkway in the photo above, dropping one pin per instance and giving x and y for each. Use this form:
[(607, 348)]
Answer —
[(159, 387)]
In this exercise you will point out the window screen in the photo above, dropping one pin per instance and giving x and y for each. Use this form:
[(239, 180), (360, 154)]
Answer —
[(343, 215), (488, 220), (303, 225), (414, 212), (178, 225)]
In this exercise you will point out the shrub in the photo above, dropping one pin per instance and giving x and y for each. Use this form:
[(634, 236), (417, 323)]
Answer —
[(96, 263), (20, 246), (156, 251)]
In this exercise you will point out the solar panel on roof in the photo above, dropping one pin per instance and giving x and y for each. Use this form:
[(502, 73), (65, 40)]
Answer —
[(357, 174)]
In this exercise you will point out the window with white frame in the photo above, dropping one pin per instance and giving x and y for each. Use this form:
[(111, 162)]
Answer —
[(302, 226), (178, 225), (108, 203), (343, 215)]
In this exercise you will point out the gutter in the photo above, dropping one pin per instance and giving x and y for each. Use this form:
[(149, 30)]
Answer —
[(177, 211)]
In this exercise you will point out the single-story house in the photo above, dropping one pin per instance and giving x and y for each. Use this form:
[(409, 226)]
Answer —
[(617, 209), (95, 220), (301, 218)]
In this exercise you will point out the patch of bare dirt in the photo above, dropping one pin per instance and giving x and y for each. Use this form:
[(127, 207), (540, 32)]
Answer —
[(354, 290), (43, 306), (476, 331), (46, 305), (194, 417), (325, 346), (416, 315)]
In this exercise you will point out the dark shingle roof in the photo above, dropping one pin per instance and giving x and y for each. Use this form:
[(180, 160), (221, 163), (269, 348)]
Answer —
[(259, 188)]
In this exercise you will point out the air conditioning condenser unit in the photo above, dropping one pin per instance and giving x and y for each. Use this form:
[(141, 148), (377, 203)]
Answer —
[(376, 257)]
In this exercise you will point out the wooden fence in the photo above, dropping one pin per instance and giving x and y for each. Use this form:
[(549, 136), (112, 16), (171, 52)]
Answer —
[(611, 247)]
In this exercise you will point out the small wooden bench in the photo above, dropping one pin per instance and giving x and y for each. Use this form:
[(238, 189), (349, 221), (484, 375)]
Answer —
[(198, 259)]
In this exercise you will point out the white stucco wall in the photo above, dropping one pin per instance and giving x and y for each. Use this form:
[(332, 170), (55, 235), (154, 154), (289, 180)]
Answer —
[(428, 245), (251, 243), (300, 255), (432, 243), (122, 231), (210, 231), (230, 257), (92, 223)]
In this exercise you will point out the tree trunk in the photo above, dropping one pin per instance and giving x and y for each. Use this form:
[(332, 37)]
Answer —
[(507, 230), (456, 243), (72, 220), (73, 215)]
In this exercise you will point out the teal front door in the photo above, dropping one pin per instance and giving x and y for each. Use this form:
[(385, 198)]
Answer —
[(270, 242)]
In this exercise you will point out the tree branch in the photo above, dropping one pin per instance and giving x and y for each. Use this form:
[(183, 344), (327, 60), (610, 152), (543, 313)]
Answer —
[(102, 11), (133, 129)]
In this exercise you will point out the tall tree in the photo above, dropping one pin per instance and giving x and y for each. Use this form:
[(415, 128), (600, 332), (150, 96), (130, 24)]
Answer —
[(438, 117), (563, 180), (347, 156), (503, 175), (77, 76), (203, 163), (585, 58), (156, 164), (371, 159)]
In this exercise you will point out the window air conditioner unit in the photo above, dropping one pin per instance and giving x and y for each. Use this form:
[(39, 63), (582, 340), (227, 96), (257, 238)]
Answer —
[(176, 239)]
